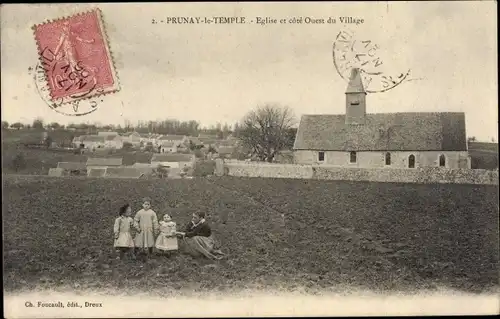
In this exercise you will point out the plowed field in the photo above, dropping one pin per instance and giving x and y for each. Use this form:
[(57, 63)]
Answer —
[(284, 234)]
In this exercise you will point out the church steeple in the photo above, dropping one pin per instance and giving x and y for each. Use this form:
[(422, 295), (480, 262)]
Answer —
[(355, 99)]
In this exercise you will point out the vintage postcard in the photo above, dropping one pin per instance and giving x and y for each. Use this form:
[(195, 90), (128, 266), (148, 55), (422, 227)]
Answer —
[(249, 159)]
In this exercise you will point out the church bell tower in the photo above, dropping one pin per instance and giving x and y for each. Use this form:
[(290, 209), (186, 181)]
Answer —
[(355, 108)]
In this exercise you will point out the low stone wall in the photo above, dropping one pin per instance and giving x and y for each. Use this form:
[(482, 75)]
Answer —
[(429, 175), (268, 170)]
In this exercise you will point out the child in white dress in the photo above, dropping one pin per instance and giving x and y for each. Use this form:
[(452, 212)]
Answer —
[(146, 223), (167, 240), (123, 238)]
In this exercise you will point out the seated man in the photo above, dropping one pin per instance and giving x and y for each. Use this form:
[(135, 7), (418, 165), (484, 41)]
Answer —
[(198, 238)]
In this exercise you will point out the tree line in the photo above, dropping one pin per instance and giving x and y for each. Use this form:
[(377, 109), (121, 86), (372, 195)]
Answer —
[(170, 126)]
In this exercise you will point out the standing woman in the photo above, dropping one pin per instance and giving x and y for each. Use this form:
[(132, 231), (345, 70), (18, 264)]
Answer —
[(198, 238)]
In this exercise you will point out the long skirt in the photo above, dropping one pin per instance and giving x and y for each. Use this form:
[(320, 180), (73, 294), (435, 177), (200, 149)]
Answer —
[(124, 240), (202, 246), (164, 242), (145, 239)]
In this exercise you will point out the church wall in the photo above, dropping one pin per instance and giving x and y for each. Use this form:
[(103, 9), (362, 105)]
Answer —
[(376, 159)]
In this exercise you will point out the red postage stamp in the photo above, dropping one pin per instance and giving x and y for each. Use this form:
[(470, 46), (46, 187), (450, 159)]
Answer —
[(76, 58)]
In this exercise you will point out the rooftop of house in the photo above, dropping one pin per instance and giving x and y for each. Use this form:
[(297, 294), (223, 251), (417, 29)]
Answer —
[(225, 149), (195, 140), (105, 133), (72, 165), (172, 137), (167, 144), (207, 141), (172, 158), (209, 136), (93, 138), (130, 134), (384, 132), (112, 137), (102, 161), (150, 135)]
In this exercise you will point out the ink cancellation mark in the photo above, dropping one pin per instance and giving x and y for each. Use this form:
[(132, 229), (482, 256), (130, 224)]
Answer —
[(349, 52), (77, 107), (75, 62)]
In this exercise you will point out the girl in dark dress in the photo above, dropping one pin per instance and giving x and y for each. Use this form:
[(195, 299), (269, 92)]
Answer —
[(198, 238)]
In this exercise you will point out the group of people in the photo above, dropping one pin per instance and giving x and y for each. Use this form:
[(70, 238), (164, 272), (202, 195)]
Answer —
[(197, 235)]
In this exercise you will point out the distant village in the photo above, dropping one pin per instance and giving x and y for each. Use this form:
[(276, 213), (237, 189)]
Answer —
[(178, 153), (208, 145)]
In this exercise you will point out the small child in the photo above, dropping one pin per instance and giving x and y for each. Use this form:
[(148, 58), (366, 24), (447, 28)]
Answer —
[(146, 223), (123, 239), (167, 240)]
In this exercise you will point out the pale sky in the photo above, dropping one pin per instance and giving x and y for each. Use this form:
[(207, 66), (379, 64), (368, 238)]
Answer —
[(217, 73)]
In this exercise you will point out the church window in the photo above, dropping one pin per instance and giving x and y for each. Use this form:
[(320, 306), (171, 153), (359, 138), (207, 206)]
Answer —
[(442, 161), (411, 161), (353, 157), (321, 156), (387, 158)]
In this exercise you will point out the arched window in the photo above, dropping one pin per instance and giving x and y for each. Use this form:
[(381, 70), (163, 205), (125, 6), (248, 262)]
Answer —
[(353, 157), (387, 158), (411, 161), (442, 160)]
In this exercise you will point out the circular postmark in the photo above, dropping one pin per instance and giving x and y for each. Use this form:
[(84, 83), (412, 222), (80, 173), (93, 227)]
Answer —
[(350, 52), (77, 93)]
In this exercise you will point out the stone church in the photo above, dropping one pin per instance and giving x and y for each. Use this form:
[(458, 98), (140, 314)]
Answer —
[(384, 140)]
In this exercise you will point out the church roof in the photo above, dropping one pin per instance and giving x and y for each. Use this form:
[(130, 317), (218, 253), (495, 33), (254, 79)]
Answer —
[(355, 83), (383, 132)]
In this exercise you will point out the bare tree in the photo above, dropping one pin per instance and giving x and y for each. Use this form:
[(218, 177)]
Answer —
[(266, 130), (38, 123)]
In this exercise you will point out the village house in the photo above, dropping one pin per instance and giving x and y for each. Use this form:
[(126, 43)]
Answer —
[(77, 141), (168, 147), (173, 160), (207, 141), (113, 141), (177, 139), (195, 141), (89, 141), (384, 140), (225, 151), (133, 138), (151, 138)]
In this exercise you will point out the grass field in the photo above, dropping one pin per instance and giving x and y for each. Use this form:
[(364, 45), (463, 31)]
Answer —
[(285, 234), (483, 155)]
